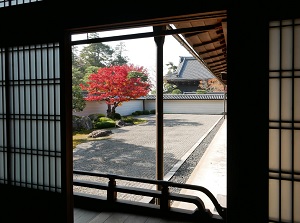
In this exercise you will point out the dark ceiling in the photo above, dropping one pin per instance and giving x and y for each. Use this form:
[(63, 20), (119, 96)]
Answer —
[(203, 35), (208, 43)]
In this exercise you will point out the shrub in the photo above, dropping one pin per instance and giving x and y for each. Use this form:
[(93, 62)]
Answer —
[(105, 119), (105, 122), (139, 112), (152, 111), (128, 119), (132, 120), (146, 112), (116, 116), (104, 125), (176, 91), (201, 91), (95, 117)]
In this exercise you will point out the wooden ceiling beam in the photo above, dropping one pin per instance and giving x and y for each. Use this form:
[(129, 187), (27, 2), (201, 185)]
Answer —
[(218, 65), (220, 31), (219, 39), (223, 47), (192, 30), (216, 61), (215, 56), (220, 70), (202, 29)]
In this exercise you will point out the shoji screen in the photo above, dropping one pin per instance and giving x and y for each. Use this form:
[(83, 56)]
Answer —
[(3, 115), (30, 137), (7, 3), (284, 121)]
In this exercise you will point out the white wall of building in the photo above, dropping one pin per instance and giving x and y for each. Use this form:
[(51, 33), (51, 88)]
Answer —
[(210, 107), (93, 107)]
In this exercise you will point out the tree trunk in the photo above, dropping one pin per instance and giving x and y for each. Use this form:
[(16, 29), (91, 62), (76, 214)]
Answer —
[(109, 110), (113, 109)]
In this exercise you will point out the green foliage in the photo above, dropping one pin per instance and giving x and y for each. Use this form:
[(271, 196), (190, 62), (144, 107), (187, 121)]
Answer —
[(168, 88), (171, 67), (75, 57), (152, 111), (137, 113), (118, 58), (102, 55), (77, 76), (105, 119), (128, 119), (96, 54), (115, 116), (146, 112), (95, 117), (104, 125), (153, 91), (78, 102), (176, 91), (105, 122), (89, 70), (132, 120), (137, 74), (201, 91)]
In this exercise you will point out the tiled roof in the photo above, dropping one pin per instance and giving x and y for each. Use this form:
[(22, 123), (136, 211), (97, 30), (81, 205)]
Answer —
[(208, 96), (190, 68)]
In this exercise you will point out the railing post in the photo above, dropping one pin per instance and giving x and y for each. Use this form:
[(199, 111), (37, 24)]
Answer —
[(164, 201), (111, 193)]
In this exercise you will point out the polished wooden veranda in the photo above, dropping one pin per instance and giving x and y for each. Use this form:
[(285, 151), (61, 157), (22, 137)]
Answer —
[(95, 208), (89, 216)]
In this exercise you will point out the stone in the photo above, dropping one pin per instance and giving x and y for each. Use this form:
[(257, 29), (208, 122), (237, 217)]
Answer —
[(82, 123), (99, 133), (121, 123)]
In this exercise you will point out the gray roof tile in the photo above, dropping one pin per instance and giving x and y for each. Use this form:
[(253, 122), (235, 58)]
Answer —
[(190, 68), (207, 96)]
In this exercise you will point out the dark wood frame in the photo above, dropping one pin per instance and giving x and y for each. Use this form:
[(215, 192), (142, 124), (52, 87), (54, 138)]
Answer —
[(247, 60)]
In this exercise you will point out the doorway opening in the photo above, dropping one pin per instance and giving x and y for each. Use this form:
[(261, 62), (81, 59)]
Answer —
[(187, 128)]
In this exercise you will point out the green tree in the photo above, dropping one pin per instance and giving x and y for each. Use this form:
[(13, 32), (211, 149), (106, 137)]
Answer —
[(87, 72), (88, 61), (76, 60), (78, 102), (176, 91), (171, 67), (96, 54), (77, 76), (118, 56), (168, 88)]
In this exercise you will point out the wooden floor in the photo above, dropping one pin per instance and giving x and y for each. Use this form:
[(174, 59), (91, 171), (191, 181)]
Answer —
[(87, 216)]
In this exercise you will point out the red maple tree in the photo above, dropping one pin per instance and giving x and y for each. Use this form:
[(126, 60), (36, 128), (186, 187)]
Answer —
[(117, 84)]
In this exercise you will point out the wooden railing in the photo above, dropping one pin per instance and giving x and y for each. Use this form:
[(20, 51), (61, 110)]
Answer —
[(162, 196)]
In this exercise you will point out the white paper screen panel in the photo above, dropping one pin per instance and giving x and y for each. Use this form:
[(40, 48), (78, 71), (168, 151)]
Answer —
[(8, 3), (3, 127), (284, 121), (30, 90)]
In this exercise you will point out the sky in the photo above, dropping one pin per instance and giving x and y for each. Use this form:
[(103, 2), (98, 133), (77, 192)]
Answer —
[(142, 52)]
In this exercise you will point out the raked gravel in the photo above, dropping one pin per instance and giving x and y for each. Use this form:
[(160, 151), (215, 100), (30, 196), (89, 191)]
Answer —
[(131, 151)]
